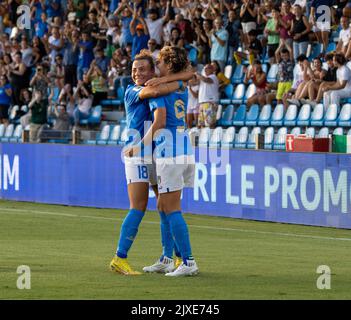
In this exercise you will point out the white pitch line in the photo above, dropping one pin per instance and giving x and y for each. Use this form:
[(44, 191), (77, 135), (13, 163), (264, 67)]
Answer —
[(190, 225)]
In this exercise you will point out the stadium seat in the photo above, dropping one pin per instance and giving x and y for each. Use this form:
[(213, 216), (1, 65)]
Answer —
[(272, 73), (344, 119), (228, 71), (192, 55), (124, 137), (290, 116), (2, 130), (279, 139), (252, 115), (303, 119), (330, 119), (317, 49), (251, 142), (238, 94), (268, 138), (317, 115), (323, 133), (17, 134), (349, 132), (8, 133), (310, 132), (295, 131), (265, 115), (228, 93), (204, 138), (219, 114), (104, 135), (241, 138), (251, 90), (115, 135), (278, 116), (331, 47), (227, 117), (338, 132), (95, 117), (238, 75), (13, 113), (228, 138), (115, 102), (239, 116), (216, 137)]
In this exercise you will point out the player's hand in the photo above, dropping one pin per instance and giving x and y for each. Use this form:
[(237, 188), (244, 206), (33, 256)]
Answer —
[(155, 82), (132, 151)]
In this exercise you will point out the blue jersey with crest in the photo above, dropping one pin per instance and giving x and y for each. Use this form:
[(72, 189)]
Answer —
[(173, 140)]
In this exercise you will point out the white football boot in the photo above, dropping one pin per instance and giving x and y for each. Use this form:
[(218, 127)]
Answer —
[(188, 269), (166, 265)]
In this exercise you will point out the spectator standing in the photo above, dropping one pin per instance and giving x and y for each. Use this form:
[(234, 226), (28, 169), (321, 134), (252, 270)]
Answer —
[(344, 36), (285, 21), (248, 14), (5, 99), (70, 58), (233, 28), (285, 75), (17, 73), (300, 28), (86, 55), (273, 35), (84, 103), (192, 111), (139, 32), (155, 24), (219, 43), (38, 116), (208, 97), (125, 12)]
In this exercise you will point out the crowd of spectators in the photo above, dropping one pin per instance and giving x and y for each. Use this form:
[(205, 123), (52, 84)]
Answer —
[(77, 52)]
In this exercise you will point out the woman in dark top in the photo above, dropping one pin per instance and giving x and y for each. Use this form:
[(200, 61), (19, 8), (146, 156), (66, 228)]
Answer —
[(18, 77), (5, 99), (248, 14), (300, 28)]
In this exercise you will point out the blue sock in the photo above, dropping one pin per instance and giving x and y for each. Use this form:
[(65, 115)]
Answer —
[(176, 250), (166, 236), (180, 233), (129, 231)]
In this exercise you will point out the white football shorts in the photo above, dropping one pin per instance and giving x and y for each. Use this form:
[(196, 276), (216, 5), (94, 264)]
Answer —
[(174, 174), (138, 171)]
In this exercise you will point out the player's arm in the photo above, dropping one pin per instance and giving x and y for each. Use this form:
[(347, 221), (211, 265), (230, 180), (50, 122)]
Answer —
[(160, 90), (183, 76)]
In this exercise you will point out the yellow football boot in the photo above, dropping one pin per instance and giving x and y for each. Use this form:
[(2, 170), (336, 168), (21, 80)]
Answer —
[(177, 262), (122, 266)]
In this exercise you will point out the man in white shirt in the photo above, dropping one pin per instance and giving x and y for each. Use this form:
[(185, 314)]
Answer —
[(208, 97), (340, 89), (152, 46), (155, 24), (344, 35)]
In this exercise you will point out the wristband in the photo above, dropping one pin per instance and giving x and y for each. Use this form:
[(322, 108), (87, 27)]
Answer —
[(180, 83)]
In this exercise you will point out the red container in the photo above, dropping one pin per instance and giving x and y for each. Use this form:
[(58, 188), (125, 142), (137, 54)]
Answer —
[(307, 144)]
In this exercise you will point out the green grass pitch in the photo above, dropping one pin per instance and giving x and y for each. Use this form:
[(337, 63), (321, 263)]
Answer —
[(68, 250)]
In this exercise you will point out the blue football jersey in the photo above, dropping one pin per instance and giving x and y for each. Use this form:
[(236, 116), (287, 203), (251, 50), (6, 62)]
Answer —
[(174, 141), (137, 112)]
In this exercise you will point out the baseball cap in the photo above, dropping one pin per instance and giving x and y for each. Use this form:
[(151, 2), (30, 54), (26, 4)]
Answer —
[(139, 26)]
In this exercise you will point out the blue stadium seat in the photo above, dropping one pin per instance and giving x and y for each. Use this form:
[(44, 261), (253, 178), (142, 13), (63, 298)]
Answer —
[(17, 134), (104, 135), (279, 139), (317, 115), (310, 132), (95, 117), (228, 71), (252, 116), (238, 94), (338, 132), (241, 138), (124, 137), (331, 47), (323, 133), (238, 75), (8, 133), (317, 49), (239, 116), (115, 102), (204, 138), (268, 138), (216, 137), (290, 116), (251, 90), (228, 93), (192, 55), (272, 73), (330, 119), (265, 116), (344, 119), (115, 135), (251, 142), (278, 115), (227, 116), (295, 131), (2, 130), (304, 117), (228, 138)]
